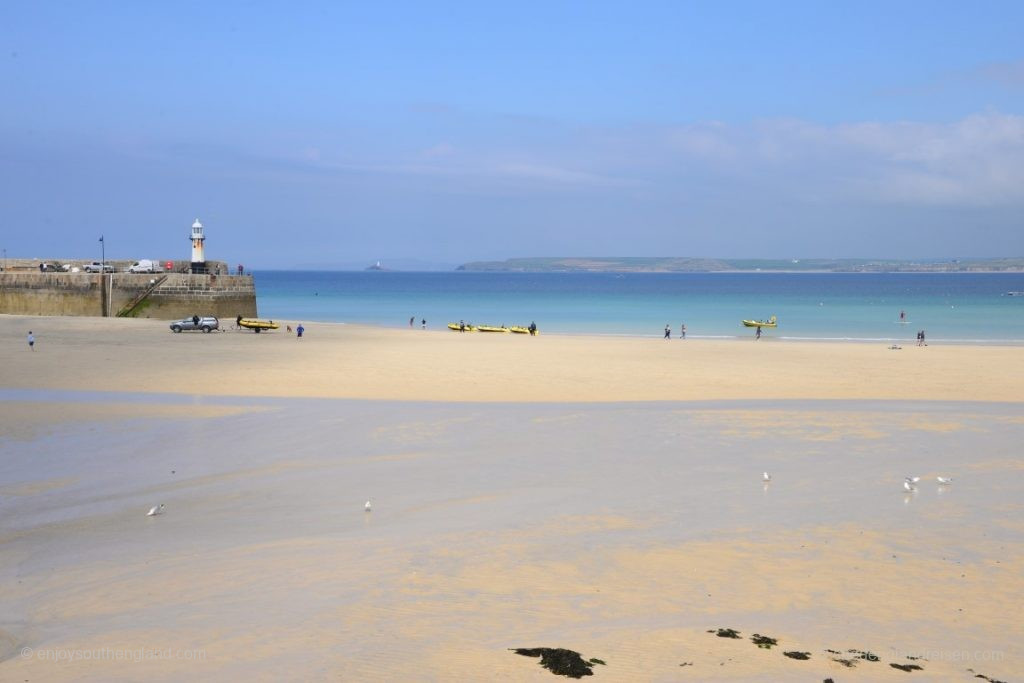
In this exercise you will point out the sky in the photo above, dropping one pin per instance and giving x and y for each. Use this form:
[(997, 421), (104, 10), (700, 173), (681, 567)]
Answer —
[(427, 134)]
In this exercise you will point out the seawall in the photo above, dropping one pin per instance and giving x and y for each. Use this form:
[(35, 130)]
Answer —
[(158, 295)]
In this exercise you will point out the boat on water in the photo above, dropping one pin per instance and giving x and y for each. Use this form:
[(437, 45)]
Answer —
[(257, 325), (771, 322)]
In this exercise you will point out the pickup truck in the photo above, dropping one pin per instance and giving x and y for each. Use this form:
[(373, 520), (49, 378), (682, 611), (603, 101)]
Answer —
[(97, 267)]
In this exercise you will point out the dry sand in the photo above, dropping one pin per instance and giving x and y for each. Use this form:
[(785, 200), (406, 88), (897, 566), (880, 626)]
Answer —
[(375, 363), (613, 506)]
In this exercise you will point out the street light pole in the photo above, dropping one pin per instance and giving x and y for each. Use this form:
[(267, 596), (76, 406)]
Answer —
[(103, 276)]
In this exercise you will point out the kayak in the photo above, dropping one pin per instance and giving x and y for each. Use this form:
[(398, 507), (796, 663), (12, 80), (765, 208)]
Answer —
[(761, 323), (515, 329), (458, 328), (257, 325), (491, 328)]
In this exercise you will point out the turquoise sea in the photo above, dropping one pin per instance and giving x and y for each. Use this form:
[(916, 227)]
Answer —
[(950, 307)]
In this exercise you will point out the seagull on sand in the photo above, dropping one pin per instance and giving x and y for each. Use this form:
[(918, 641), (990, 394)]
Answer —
[(156, 510), (367, 507), (912, 480), (766, 477), (944, 480), (908, 487)]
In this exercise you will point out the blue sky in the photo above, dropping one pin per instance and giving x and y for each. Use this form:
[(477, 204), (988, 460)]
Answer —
[(335, 134)]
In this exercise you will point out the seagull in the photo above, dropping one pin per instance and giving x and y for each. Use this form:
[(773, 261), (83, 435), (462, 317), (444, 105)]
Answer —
[(767, 477), (912, 480), (367, 507), (907, 486), (156, 510), (944, 480)]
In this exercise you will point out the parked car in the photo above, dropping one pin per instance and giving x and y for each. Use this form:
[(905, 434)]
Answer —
[(97, 267), (205, 323), (143, 266)]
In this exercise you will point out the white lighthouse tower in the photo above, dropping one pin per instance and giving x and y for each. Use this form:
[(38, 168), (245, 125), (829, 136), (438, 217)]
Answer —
[(198, 249)]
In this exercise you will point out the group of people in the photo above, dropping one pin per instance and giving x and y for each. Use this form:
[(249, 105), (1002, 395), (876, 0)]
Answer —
[(423, 323), (920, 338), (682, 331)]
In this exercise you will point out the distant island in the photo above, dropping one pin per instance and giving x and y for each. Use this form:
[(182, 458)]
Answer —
[(643, 264)]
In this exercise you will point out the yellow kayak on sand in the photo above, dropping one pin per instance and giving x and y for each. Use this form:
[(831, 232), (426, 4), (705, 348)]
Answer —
[(257, 325), (459, 328), (492, 328), (761, 323)]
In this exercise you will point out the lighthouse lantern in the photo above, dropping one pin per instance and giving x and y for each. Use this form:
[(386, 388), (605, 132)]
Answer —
[(198, 249)]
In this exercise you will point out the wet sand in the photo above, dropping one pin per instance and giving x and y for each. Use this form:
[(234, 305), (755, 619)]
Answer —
[(622, 530)]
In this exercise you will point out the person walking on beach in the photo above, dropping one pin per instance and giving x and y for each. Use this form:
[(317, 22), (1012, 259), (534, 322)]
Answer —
[(920, 339), (682, 331), (31, 341), (533, 328), (299, 330), (412, 321), (757, 335), (668, 332), (423, 324)]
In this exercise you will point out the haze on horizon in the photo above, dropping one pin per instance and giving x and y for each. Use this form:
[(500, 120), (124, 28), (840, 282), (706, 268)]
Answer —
[(336, 134)]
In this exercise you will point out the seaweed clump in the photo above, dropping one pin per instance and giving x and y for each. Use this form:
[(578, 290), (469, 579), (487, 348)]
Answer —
[(764, 642), (798, 655), (559, 660), (907, 667), (727, 633)]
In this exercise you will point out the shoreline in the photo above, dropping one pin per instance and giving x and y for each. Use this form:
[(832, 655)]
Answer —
[(342, 360)]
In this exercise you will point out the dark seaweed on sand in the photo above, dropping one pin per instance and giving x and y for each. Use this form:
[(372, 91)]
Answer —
[(798, 655), (727, 633), (990, 680), (765, 642), (907, 667), (560, 661)]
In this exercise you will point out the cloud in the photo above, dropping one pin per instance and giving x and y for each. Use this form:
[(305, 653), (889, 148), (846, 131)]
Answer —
[(978, 160)]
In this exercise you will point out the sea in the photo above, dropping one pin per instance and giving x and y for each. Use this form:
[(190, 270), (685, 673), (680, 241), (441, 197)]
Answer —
[(981, 308)]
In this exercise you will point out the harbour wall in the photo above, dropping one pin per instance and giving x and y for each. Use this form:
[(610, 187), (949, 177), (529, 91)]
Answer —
[(164, 296)]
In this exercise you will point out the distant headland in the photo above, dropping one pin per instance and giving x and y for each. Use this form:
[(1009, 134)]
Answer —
[(643, 264)]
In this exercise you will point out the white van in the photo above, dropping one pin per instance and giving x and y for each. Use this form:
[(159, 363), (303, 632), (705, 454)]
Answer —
[(143, 266)]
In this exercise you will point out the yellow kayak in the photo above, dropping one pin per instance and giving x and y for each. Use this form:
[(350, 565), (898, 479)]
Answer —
[(515, 329), (491, 328), (761, 323), (257, 325), (458, 328)]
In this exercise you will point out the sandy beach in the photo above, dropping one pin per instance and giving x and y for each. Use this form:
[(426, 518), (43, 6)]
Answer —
[(603, 495)]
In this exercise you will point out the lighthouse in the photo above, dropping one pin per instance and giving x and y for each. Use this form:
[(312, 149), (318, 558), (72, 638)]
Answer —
[(198, 250)]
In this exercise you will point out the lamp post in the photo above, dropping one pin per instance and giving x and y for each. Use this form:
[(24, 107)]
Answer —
[(103, 278)]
